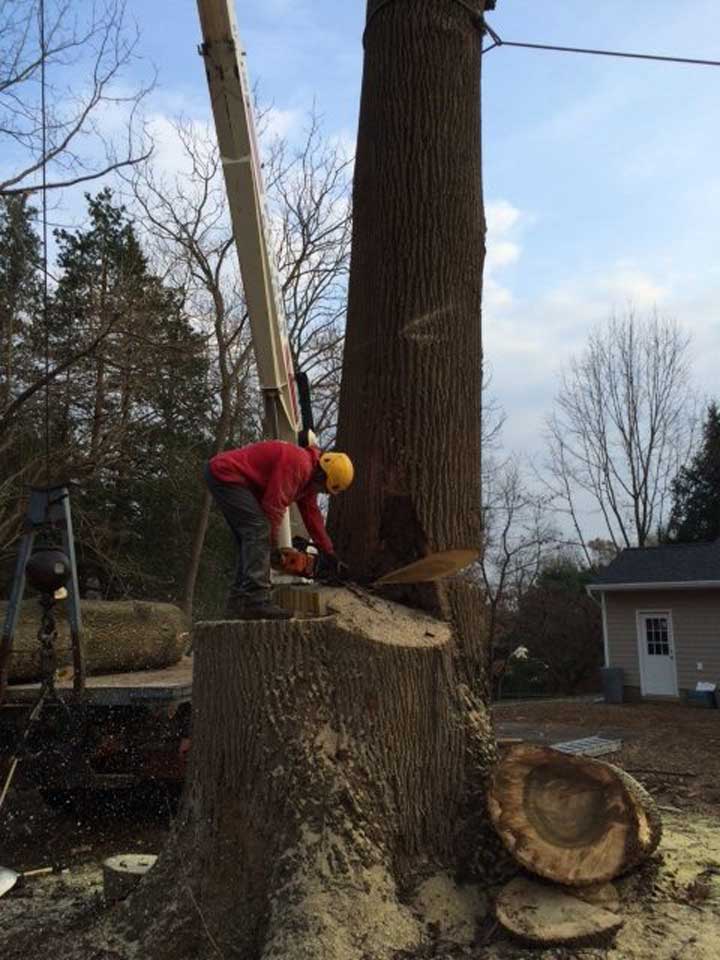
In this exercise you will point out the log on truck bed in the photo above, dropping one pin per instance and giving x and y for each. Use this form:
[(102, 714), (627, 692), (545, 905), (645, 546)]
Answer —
[(118, 636)]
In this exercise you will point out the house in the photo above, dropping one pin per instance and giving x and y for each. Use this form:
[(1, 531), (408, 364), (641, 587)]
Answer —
[(661, 617)]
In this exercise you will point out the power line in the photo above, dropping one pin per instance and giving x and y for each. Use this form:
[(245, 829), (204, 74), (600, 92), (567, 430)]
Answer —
[(499, 42), (46, 319)]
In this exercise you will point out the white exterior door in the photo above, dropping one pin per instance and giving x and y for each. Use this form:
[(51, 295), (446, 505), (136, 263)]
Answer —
[(657, 654)]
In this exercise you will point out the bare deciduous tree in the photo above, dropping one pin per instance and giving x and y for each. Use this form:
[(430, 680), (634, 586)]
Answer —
[(518, 537), (308, 188), (622, 425), (85, 58), (186, 217)]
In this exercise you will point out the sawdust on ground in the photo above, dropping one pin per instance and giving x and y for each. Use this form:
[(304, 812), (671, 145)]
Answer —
[(671, 908)]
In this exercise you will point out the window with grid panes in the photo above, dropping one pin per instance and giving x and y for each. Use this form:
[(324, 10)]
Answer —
[(658, 640)]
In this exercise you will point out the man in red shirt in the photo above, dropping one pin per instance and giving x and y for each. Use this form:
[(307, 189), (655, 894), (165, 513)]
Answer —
[(254, 486)]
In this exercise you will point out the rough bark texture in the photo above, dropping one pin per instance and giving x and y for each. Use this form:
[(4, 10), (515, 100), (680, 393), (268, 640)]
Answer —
[(574, 820), (117, 636), (410, 400), (332, 761)]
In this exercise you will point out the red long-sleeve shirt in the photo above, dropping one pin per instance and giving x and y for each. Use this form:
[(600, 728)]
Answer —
[(279, 474)]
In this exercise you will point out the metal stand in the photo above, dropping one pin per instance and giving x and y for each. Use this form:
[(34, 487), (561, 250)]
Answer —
[(48, 510)]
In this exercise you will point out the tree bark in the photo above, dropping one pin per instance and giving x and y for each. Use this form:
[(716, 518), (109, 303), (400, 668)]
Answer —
[(332, 765), (411, 388), (118, 635)]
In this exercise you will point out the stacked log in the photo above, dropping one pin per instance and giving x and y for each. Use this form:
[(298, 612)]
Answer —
[(118, 636)]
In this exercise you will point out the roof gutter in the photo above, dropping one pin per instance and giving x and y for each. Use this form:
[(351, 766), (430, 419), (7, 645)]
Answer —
[(662, 585)]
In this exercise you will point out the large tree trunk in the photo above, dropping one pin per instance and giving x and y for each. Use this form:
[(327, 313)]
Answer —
[(334, 763), (411, 388)]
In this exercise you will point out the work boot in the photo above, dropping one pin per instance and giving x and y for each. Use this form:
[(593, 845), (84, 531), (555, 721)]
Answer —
[(234, 609), (263, 611)]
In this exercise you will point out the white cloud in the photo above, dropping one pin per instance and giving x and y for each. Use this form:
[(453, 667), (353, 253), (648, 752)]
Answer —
[(626, 282), (502, 250), (501, 216), (282, 123)]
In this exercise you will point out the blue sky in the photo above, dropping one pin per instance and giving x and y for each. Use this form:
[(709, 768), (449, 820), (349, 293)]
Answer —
[(601, 175)]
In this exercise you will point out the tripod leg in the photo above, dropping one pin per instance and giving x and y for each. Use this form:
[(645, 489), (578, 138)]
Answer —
[(74, 602), (13, 610)]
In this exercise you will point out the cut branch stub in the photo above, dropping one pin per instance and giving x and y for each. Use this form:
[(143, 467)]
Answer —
[(572, 819)]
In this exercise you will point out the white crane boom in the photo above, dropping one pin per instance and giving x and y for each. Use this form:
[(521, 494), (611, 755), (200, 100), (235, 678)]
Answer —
[(231, 100)]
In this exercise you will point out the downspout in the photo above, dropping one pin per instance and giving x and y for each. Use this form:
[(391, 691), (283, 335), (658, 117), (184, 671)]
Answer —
[(603, 609)]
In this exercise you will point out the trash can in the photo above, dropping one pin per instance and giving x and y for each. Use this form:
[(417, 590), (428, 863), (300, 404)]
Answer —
[(612, 683)]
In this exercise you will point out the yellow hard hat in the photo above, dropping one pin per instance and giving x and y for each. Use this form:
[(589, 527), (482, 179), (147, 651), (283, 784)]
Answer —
[(339, 471)]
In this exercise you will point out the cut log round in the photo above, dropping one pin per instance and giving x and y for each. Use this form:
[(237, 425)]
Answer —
[(539, 913), (572, 819), (123, 872), (117, 635), (331, 763)]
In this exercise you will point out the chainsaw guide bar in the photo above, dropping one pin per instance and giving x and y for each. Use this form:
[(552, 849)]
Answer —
[(435, 566)]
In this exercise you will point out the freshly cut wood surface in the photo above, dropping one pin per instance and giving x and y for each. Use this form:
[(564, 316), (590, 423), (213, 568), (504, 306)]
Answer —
[(575, 820), (118, 635), (540, 913), (435, 566)]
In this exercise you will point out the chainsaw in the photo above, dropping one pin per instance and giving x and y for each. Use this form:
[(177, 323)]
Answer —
[(304, 560), (300, 561)]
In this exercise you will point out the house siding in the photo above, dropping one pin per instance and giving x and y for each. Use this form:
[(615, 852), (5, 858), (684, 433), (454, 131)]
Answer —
[(696, 632)]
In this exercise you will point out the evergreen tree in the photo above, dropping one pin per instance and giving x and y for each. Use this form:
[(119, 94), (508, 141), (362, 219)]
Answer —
[(20, 303), (695, 513), (129, 418), (20, 287)]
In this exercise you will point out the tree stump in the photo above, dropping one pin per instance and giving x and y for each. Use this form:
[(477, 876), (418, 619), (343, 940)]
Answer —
[(335, 764), (571, 819)]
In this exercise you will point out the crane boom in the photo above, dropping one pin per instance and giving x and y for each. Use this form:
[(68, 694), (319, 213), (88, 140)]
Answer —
[(231, 100)]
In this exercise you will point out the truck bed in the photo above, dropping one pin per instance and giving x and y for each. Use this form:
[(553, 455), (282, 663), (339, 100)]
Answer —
[(119, 689)]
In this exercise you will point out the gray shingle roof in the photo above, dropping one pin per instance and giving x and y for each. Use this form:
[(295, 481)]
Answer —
[(669, 563)]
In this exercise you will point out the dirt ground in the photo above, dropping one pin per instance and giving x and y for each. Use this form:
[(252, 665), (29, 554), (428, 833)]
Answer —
[(671, 905)]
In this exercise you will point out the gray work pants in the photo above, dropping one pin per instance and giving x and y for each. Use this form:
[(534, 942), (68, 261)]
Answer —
[(251, 529)]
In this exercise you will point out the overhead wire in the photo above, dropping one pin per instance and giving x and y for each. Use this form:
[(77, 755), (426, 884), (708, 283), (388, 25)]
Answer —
[(499, 42), (45, 311)]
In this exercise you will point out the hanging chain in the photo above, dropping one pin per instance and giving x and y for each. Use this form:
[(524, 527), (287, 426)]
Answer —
[(47, 637)]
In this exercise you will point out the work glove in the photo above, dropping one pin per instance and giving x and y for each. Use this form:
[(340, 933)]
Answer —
[(330, 567)]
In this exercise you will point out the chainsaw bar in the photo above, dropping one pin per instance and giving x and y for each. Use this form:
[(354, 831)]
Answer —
[(435, 566)]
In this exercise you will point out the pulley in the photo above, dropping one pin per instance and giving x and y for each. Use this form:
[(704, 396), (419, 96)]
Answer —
[(48, 569)]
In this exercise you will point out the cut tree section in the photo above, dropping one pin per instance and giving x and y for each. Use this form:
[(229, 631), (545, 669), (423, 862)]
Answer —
[(572, 819), (331, 764), (118, 635), (542, 914)]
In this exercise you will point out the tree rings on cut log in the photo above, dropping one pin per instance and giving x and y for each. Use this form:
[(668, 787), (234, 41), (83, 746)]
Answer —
[(536, 912), (572, 819), (118, 635), (122, 873)]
